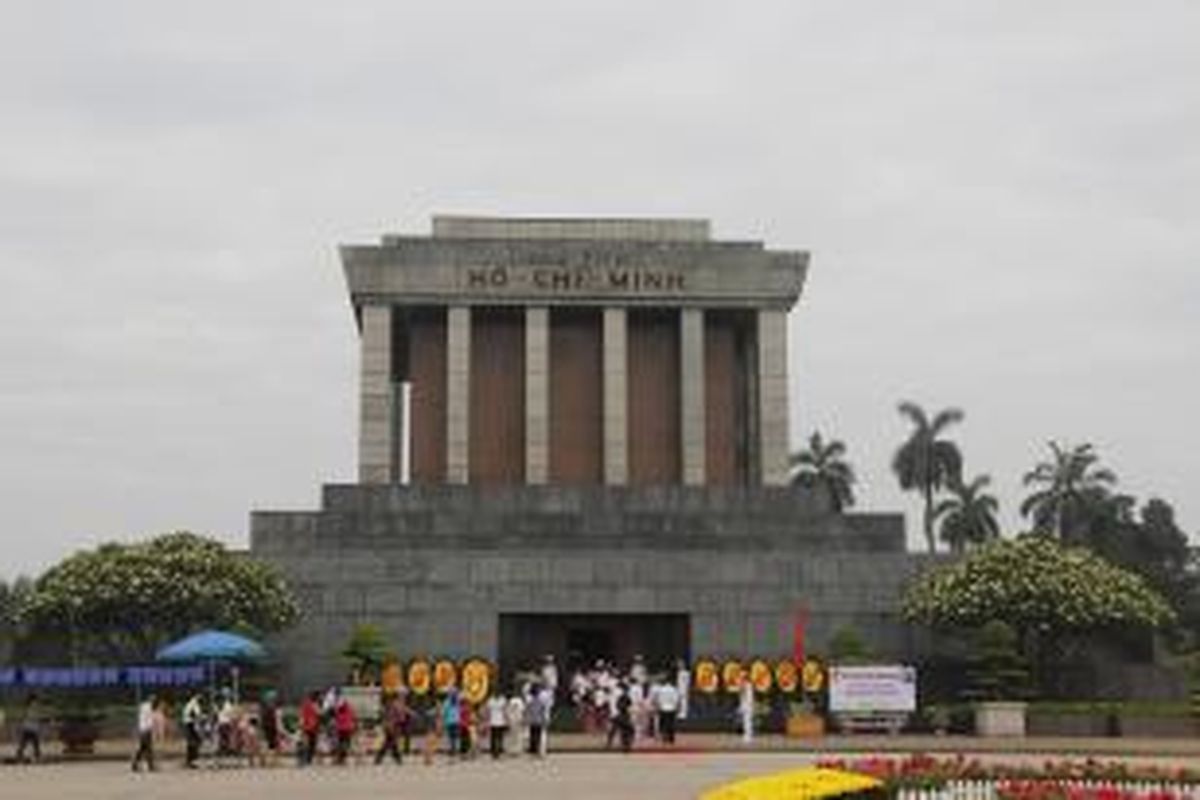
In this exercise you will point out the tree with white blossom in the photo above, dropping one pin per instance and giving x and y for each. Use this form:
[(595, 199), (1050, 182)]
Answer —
[(122, 601)]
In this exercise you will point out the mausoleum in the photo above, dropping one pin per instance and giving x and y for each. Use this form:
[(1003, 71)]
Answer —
[(573, 439)]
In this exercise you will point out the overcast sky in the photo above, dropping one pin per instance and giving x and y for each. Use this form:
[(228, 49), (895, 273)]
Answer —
[(1002, 200)]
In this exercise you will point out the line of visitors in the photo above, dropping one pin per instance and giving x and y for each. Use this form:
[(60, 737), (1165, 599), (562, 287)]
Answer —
[(629, 706)]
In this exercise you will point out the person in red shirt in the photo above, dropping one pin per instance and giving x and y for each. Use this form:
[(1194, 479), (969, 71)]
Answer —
[(310, 727), (344, 724)]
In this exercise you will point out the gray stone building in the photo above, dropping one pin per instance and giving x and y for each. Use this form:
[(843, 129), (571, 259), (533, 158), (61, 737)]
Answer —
[(574, 440)]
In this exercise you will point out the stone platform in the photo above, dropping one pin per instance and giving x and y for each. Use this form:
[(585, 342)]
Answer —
[(436, 567)]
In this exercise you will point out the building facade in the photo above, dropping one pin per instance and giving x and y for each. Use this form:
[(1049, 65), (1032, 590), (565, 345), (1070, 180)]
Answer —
[(573, 439)]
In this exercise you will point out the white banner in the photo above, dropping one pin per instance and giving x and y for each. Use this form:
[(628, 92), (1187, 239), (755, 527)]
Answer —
[(886, 688)]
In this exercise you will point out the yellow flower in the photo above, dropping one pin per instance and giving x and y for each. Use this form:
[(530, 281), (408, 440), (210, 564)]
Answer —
[(808, 783)]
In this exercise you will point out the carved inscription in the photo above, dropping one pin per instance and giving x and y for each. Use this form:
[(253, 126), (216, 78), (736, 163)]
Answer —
[(572, 280)]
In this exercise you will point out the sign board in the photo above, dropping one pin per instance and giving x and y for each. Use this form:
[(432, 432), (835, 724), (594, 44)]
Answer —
[(365, 700), (886, 688)]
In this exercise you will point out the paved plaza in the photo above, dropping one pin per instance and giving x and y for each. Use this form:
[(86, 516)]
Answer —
[(574, 775)]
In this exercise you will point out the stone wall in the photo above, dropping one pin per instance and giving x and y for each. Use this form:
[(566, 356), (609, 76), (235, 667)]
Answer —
[(435, 566)]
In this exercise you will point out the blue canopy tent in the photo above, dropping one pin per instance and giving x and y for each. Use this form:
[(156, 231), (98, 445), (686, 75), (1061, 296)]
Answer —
[(214, 647)]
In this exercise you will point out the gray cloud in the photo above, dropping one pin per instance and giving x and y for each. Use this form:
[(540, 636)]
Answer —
[(1001, 199)]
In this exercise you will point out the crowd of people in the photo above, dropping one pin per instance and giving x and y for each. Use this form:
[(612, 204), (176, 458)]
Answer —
[(633, 704), (622, 706)]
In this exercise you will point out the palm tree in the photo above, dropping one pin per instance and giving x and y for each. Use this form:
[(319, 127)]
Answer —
[(1066, 489), (926, 463), (969, 516), (823, 465)]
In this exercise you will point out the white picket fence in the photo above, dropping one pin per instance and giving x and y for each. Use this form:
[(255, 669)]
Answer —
[(986, 790)]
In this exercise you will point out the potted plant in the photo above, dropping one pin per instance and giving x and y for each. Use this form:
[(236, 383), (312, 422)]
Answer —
[(999, 682), (78, 729)]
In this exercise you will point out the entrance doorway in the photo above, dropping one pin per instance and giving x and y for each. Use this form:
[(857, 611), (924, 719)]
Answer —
[(579, 640)]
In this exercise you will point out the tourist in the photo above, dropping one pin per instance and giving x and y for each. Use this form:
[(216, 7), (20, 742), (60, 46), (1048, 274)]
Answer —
[(514, 714), (193, 728), (683, 685), (622, 719), (433, 734), (550, 677), (145, 735), (452, 722), (537, 715), (249, 740), (466, 727), (637, 670), (745, 709), (581, 699), (405, 712), (666, 704), (345, 723), (226, 730), (310, 726), (271, 725), (496, 714), (395, 714), (615, 697), (637, 706), (31, 730)]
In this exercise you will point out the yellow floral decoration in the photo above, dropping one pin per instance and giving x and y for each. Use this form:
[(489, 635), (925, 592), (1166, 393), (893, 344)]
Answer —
[(476, 678), (787, 677), (445, 676), (760, 676), (732, 675), (813, 676), (419, 677), (708, 677)]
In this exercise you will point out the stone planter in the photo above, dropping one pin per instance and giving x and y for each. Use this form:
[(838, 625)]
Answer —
[(78, 735), (805, 726), (1000, 719), (1157, 726), (1052, 723)]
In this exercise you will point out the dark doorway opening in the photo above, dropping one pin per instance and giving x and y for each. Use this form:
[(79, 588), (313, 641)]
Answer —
[(576, 640)]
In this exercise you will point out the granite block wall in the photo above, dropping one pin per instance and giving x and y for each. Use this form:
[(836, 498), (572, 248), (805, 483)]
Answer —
[(434, 567)]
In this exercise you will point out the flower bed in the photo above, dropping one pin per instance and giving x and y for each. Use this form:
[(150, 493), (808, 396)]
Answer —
[(971, 779), (806, 783)]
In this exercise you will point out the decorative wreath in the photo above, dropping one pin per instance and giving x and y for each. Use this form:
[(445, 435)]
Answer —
[(391, 677), (787, 677), (445, 676), (732, 675), (420, 676), (708, 677), (813, 676), (760, 676), (476, 677)]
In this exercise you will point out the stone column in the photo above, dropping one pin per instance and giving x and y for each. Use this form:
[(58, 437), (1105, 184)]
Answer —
[(537, 395), (616, 451), (375, 422), (691, 386), (458, 393), (772, 397)]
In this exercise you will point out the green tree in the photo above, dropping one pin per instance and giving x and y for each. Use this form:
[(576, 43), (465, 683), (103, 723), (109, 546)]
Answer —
[(1034, 582), (926, 462), (1068, 491), (823, 466), (12, 596), (1150, 542), (968, 516), (998, 671), (367, 650), (124, 601), (1048, 592), (847, 646)]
